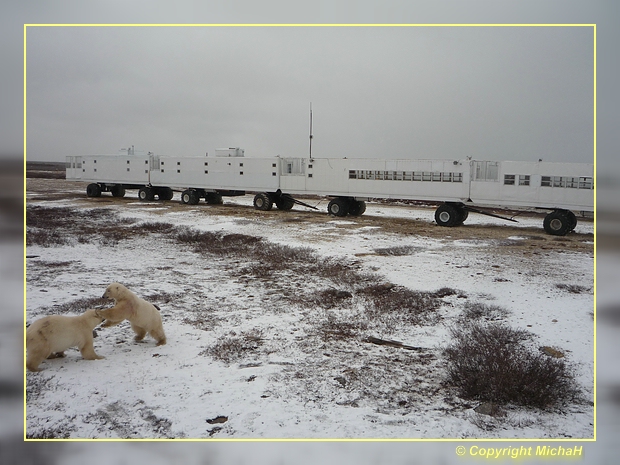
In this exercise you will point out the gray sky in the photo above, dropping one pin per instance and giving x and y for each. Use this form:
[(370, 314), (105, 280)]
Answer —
[(504, 93)]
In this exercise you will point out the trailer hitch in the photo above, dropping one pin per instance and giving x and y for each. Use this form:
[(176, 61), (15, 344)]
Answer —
[(298, 202), (494, 215)]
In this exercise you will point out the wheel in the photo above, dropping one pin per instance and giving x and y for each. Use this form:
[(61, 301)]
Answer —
[(165, 193), (338, 207), (93, 190), (463, 214), (190, 197), (447, 215), (214, 198), (357, 207), (572, 218), (285, 202), (263, 202), (118, 191), (557, 223), (185, 196), (146, 193)]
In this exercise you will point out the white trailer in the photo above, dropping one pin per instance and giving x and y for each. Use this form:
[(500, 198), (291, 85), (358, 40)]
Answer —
[(460, 186)]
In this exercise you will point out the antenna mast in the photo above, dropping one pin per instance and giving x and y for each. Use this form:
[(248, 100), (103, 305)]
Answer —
[(310, 130)]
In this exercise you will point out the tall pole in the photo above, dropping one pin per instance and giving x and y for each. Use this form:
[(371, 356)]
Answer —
[(310, 130)]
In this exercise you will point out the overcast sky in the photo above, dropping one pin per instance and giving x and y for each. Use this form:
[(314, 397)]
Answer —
[(500, 93)]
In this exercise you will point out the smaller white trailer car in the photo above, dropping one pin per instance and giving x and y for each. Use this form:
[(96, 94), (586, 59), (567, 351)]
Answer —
[(565, 190)]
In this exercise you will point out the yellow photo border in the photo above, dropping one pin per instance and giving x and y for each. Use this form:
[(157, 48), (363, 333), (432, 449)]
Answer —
[(377, 440)]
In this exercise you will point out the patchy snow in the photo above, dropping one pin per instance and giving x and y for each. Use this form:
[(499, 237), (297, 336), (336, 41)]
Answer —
[(296, 383)]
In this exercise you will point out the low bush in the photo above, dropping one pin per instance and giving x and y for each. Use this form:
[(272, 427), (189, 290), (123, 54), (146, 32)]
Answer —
[(492, 362), (478, 311)]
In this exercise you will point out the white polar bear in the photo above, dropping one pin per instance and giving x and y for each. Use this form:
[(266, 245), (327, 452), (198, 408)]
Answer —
[(143, 316), (50, 336)]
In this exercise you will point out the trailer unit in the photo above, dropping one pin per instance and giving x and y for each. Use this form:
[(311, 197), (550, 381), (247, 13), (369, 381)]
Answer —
[(459, 186)]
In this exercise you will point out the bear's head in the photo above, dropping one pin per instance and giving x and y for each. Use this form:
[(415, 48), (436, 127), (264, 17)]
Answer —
[(92, 314), (113, 291)]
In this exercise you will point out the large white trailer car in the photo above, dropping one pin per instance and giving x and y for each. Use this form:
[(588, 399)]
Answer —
[(565, 190)]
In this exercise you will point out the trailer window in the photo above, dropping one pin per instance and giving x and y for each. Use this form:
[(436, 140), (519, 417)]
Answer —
[(586, 183), (509, 179), (486, 171), (524, 179), (545, 181), (572, 183), (458, 177), (352, 173), (446, 177)]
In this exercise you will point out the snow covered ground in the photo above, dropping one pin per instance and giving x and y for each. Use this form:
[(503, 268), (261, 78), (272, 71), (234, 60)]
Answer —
[(253, 353)]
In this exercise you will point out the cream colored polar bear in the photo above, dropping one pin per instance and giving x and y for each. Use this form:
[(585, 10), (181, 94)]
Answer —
[(50, 336), (143, 316)]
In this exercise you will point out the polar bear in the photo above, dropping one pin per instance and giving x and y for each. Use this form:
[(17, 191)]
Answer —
[(50, 336), (143, 316)]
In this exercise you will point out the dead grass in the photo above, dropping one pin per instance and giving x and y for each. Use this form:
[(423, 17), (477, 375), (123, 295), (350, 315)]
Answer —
[(233, 347), (573, 288), (397, 305), (76, 306), (52, 226)]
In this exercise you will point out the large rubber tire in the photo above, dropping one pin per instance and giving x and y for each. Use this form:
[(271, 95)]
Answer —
[(93, 190), (285, 202), (338, 207), (263, 202), (447, 215), (117, 191), (357, 207), (572, 218), (165, 193), (146, 193), (557, 223), (190, 197), (214, 198), (463, 214)]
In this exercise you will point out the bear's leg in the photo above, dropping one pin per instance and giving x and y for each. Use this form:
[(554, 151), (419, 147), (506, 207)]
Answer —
[(88, 350), (114, 315), (34, 359), (159, 336), (108, 323), (140, 332)]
